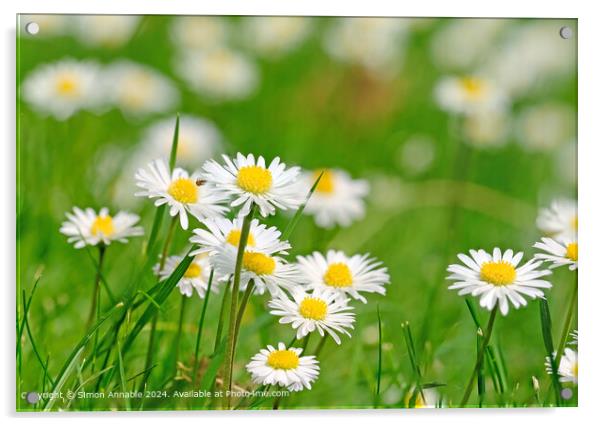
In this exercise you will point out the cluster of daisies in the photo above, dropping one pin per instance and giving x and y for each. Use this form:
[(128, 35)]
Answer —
[(499, 279), (312, 293)]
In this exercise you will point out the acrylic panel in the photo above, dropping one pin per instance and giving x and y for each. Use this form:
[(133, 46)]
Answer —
[(281, 213)]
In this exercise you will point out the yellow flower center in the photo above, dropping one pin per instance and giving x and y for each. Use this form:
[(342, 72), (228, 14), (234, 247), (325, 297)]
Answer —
[(473, 87), (67, 86), (104, 225), (254, 179), (313, 308), (338, 275), (498, 273), (234, 238), (575, 223), (576, 369), (326, 184), (259, 263), (283, 360), (184, 190), (571, 252), (193, 271)]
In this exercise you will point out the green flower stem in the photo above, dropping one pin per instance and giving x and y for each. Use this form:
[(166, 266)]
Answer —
[(96, 290), (241, 309), (231, 344), (200, 330), (179, 333), (321, 345), (222, 311), (567, 323), (480, 357)]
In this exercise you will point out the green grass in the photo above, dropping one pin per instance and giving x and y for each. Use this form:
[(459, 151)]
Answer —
[(314, 112)]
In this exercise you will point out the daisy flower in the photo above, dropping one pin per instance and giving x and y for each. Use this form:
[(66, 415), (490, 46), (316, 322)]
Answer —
[(199, 32), (222, 232), (559, 253), (574, 337), (345, 275), (268, 272), (497, 278), (63, 88), (467, 95), (337, 199), (183, 193), (86, 227), (322, 310), (219, 73), (272, 36), (568, 368), (138, 89), (560, 219), (110, 31), (196, 276), (284, 367), (250, 181)]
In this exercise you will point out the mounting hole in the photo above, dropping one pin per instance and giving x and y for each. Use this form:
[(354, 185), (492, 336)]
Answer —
[(32, 28), (566, 32)]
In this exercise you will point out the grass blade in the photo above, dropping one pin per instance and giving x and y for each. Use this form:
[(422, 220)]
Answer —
[(200, 328), (380, 357), (293, 222), (546, 331)]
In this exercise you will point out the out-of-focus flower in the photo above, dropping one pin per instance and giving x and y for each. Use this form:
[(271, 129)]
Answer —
[(86, 227), (487, 129), (49, 25), (546, 126), (416, 154), (273, 36), (533, 55), (199, 32), (109, 31), (469, 95), (426, 398), (559, 253), (181, 192), (251, 182), (568, 368), (138, 89), (337, 199), (497, 279), (378, 44), (322, 310), (462, 44), (195, 278), (63, 88), (284, 367), (559, 220), (343, 274), (218, 73)]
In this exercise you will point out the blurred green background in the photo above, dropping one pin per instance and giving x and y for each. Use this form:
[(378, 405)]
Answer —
[(434, 193)]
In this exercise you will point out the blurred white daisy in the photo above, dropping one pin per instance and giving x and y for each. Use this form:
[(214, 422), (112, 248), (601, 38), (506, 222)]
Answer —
[(267, 270), (497, 278), (377, 44), (86, 227), (273, 36), (322, 310), (560, 219), (199, 32), (337, 199), (110, 31), (469, 94), (559, 252), (63, 88), (218, 73), (426, 398), (546, 126), (221, 232), (250, 181), (183, 193), (284, 367), (574, 338), (196, 276), (138, 89), (568, 368), (345, 275)]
